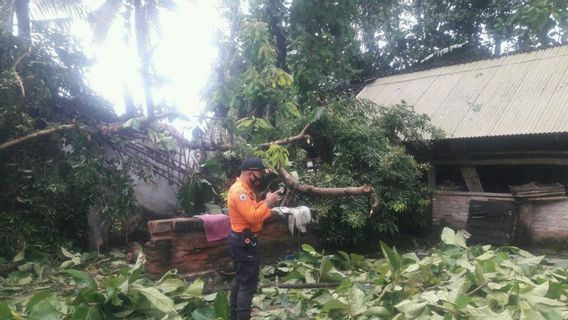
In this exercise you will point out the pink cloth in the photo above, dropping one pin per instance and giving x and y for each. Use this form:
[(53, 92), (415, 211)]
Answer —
[(217, 226)]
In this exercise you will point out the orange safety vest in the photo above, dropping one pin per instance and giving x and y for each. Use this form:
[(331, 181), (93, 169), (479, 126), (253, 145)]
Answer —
[(244, 210)]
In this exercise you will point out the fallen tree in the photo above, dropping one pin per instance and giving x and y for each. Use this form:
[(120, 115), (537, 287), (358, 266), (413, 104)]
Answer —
[(61, 138)]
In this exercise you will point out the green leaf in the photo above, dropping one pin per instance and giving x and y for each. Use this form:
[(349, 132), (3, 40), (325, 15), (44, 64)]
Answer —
[(334, 304), (155, 297), (325, 268), (462, 301), (46, 309), (86, 312), (194, 290), (5, 311), (221, 305), (357, 301), (203, 314), (291, 110), (67, 253), (20, 255), (316, 114), (37, 298), (170, 284), (411, 309), (392, 256), (309, 249), (379, 311), (66, 264), (81, 278), (453, 238)]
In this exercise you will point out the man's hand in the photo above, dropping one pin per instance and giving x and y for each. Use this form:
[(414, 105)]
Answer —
[(272, 198)]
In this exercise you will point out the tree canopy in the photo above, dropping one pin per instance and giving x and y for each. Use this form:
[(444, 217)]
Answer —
[(283, 88)]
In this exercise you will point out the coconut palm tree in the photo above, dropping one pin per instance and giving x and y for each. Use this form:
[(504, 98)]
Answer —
[(38, 12), (146, 26)]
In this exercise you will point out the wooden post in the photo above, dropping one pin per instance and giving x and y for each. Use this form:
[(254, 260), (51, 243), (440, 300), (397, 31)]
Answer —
[(523, 229), (471, 178), (432, 178), (468, 171)]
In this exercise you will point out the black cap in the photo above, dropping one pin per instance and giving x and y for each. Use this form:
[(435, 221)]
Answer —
[(252, 164)]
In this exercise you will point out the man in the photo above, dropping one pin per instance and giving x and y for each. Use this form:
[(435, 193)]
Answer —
[(247, 216)]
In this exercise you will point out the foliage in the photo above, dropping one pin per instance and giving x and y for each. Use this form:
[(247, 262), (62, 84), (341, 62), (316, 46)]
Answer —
[(202, 187), (49, 183), (361, 143), (356, 142), (101, 287), (453, 282)]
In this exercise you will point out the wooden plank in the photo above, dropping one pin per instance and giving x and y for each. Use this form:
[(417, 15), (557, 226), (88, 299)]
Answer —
[(507, 196), (549, 198), (432, 177), (471, 178), (491, 221)]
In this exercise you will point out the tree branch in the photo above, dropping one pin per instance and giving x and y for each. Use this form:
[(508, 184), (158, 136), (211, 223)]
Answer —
[(224, 147), (365, 190), (34, 135), (17, 75), (300, 136), (105, 129)]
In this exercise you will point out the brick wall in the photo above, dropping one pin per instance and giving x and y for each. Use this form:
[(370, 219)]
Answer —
[(181, 244), (550, 220), (451, 208)]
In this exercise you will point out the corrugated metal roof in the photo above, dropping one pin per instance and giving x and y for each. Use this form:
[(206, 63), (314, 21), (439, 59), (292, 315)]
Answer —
[(525, 93)]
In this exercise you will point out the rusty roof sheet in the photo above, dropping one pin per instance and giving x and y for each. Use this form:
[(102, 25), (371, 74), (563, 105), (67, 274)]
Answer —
[(525, 93)]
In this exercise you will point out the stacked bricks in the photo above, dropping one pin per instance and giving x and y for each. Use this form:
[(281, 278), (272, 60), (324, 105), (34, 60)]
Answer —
[(181, 244)]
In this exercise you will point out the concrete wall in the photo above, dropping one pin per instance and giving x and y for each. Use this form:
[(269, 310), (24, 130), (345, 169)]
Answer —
[(157, 197), (550, 218)]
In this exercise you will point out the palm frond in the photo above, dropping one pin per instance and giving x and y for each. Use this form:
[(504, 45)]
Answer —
[(102, 18), (61, 24), (6, 14), (55, 8)]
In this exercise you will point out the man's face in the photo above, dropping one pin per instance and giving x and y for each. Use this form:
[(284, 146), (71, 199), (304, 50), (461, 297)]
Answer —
[(256, 178)]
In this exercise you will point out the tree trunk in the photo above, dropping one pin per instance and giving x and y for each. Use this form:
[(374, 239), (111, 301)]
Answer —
[(274, 12), (141, 27), (130, 110), (22, 9), (497, 44), (6, 15)]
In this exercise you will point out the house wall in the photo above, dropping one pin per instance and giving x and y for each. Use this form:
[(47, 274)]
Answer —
[(550, 218)]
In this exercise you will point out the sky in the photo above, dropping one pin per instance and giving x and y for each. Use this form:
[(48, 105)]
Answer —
[(184, 57)]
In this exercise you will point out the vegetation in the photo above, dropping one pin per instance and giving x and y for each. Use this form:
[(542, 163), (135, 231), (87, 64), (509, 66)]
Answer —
[(453, 281), (286, 70), (91, 286), (49, 183)]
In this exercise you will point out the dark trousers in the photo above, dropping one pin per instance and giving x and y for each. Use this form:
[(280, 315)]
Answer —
[(245, 283)]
